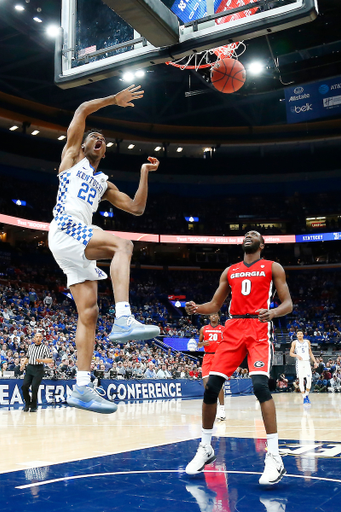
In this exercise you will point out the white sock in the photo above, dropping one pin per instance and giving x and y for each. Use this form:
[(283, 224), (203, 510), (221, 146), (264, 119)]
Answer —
[(272, 443), (122, 309), (206, 435), (83, 378), (222, 408)]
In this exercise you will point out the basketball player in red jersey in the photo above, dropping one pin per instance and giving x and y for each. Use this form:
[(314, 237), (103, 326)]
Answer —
[(248, 332), (210, 336)]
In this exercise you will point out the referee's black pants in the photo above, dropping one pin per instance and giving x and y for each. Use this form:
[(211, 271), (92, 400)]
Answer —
[(33, 377)]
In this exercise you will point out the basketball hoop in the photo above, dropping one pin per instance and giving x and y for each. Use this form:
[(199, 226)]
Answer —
[(208, 58)]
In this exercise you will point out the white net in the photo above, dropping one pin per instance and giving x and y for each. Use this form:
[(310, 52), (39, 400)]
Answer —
[(208, 58)]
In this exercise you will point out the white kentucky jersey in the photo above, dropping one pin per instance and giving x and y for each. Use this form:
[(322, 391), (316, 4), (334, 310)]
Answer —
[(80, 191), (302, 349)]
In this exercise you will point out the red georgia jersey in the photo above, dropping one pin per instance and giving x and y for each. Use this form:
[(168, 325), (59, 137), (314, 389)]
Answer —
[(213, 335), (251, 287)]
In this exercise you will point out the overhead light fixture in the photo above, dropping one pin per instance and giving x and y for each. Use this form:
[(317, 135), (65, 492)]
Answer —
[(255, 68), (38, 20), (13, 128), (179, 150), (35, 132), (140, 73), (131, 146), (19, 7), (19, 202), (110, 144), (128, 76), (207, 149), (62, 137), (52, 30), (157, 148)]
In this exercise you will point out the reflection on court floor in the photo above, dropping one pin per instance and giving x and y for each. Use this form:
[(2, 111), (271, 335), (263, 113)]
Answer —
[(153, 480)]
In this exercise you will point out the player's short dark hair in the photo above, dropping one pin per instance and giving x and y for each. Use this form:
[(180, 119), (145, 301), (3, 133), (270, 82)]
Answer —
[(88, 132), (299, 330), (215, 313)]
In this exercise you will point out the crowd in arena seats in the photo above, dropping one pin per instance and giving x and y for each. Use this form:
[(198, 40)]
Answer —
[(43, 305), (24, 311)]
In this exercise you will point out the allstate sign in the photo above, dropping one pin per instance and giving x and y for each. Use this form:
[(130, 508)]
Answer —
[(313, 101)]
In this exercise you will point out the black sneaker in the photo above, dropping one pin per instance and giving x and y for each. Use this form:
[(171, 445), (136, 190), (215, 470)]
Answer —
[(26, 408), (34, 409)]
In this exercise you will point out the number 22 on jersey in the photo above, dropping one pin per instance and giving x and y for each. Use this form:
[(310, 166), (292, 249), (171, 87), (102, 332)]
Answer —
[(86, 194)]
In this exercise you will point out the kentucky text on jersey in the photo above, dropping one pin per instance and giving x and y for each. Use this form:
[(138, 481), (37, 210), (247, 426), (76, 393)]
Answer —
[(255, 273), (90, 179)]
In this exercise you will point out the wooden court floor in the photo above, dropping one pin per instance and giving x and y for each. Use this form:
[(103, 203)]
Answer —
[(62, 434)]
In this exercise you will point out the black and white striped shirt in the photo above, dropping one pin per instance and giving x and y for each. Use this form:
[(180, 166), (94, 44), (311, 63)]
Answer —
[(37, 352)]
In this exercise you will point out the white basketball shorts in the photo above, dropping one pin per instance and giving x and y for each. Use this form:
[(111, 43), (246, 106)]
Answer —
[(68, 246), (303, 369)]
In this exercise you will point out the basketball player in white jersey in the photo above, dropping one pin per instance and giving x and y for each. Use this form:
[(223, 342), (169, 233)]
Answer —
[(301, 350), (76, 244)]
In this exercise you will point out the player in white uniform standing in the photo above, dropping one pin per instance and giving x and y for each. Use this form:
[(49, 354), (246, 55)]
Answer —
[(301, 349), (76, 244)]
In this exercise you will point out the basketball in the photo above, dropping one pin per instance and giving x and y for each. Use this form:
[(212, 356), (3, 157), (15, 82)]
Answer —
[(228, 75)]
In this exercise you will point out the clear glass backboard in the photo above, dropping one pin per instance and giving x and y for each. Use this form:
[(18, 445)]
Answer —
[(95, 42)]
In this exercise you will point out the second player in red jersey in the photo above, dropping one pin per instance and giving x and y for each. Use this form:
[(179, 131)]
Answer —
[(210, 337)]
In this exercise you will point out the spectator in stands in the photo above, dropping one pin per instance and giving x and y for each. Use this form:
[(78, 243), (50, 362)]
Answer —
[(48, 301), (194, 372), (321, 385), (19, 370), (163, 373), (282, 383), (137, 371), (120, 370), (150, 372), (4, 368), (335, 384)]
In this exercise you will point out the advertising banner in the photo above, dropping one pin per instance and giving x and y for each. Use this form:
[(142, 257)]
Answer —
[(321, 237), (314, 100), (57, 391)]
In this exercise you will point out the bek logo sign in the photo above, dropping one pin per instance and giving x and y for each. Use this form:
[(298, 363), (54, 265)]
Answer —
[(304, 108)]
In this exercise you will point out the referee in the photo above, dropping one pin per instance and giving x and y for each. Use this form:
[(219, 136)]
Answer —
[(38, 354)]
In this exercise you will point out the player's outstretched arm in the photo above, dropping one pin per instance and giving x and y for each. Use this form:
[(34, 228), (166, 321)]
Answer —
[(137, 205), (280, 282), (217, 301), (76, 128)]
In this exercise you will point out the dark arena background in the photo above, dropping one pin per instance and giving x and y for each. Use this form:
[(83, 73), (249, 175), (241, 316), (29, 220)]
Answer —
[(265, 158)]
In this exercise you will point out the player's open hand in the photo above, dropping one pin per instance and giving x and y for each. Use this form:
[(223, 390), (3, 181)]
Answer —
[(191, 308), (265, 315), (152, 166), (126, 97)]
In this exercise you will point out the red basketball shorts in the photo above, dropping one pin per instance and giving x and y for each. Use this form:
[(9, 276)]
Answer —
[(244, 337), (206, 365)]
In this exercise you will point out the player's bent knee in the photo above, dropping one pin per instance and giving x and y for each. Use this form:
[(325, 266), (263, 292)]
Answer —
[(212, 389), (126, 246), (261, 388), (89, 315)]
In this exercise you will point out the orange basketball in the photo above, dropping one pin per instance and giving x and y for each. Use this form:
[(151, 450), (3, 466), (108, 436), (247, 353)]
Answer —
[(228, 75)]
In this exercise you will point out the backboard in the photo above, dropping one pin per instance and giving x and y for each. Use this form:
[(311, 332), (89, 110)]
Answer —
[(102, 38)]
